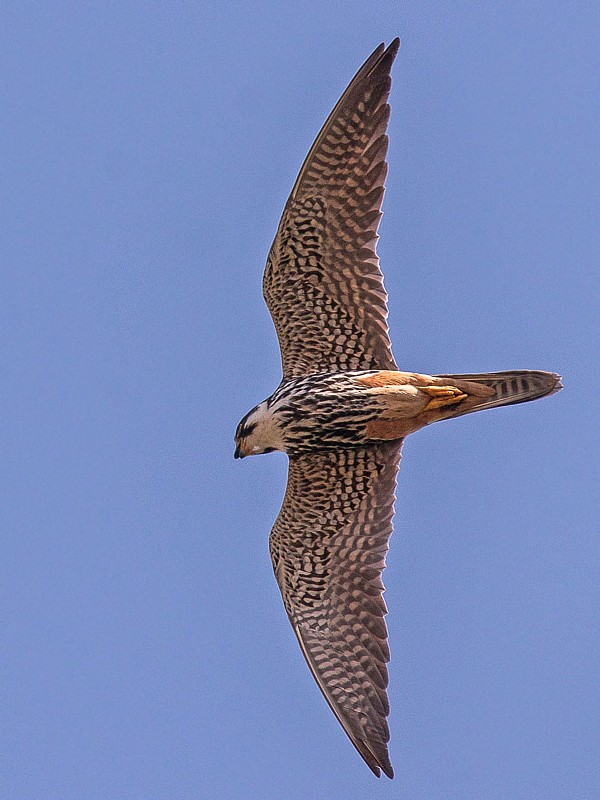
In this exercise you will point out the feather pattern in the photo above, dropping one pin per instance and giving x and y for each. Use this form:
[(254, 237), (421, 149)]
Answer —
[(342, 408), (328, 548), (322, 283)]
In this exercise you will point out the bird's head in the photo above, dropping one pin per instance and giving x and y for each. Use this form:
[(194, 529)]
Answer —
[(257, 433)]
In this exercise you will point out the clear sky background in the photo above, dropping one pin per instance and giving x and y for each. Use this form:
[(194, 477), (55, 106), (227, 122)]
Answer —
[(147, 152)]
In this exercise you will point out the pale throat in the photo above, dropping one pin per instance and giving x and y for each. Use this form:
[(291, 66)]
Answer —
[(266, 434)]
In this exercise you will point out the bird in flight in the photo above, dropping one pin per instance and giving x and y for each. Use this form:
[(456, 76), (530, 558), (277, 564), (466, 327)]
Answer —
[(343, 408)]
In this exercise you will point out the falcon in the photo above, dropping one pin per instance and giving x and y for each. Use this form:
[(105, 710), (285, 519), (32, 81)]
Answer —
[(343, 408)]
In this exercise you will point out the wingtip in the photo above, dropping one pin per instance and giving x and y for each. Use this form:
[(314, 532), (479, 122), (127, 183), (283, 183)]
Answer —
[(394, 45), (381, 55), (387, 768), (374, 755), (382, 765), (378, 768), (389, 53)]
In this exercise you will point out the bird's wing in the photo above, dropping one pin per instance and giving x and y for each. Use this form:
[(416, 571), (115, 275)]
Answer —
[(322, 283), (328, 547)]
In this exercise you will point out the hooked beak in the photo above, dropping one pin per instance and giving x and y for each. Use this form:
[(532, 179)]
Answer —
[(238, 453)]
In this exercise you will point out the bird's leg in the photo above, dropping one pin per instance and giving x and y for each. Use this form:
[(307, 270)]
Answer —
[(442, 396)]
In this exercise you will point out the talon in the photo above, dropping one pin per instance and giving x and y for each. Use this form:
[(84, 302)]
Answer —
[(442, 396)]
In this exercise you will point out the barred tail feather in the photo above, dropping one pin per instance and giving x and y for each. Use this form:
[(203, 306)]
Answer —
[(516, 386)]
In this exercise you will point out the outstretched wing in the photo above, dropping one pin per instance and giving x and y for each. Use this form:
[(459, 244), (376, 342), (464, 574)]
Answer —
[(322, 283), (328, 547)]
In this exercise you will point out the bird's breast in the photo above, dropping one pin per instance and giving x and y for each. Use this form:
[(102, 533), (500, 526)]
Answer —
[(325, 412)]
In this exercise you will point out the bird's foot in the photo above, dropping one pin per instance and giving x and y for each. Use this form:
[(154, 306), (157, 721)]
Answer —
[(442, 396)]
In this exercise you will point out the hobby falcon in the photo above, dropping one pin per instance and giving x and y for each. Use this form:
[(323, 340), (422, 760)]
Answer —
[(343, 408)]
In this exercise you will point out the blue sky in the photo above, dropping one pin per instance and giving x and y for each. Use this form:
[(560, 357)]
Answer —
[(147, 152)]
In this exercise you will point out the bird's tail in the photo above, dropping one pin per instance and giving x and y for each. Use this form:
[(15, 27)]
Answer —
[(516, 386)]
